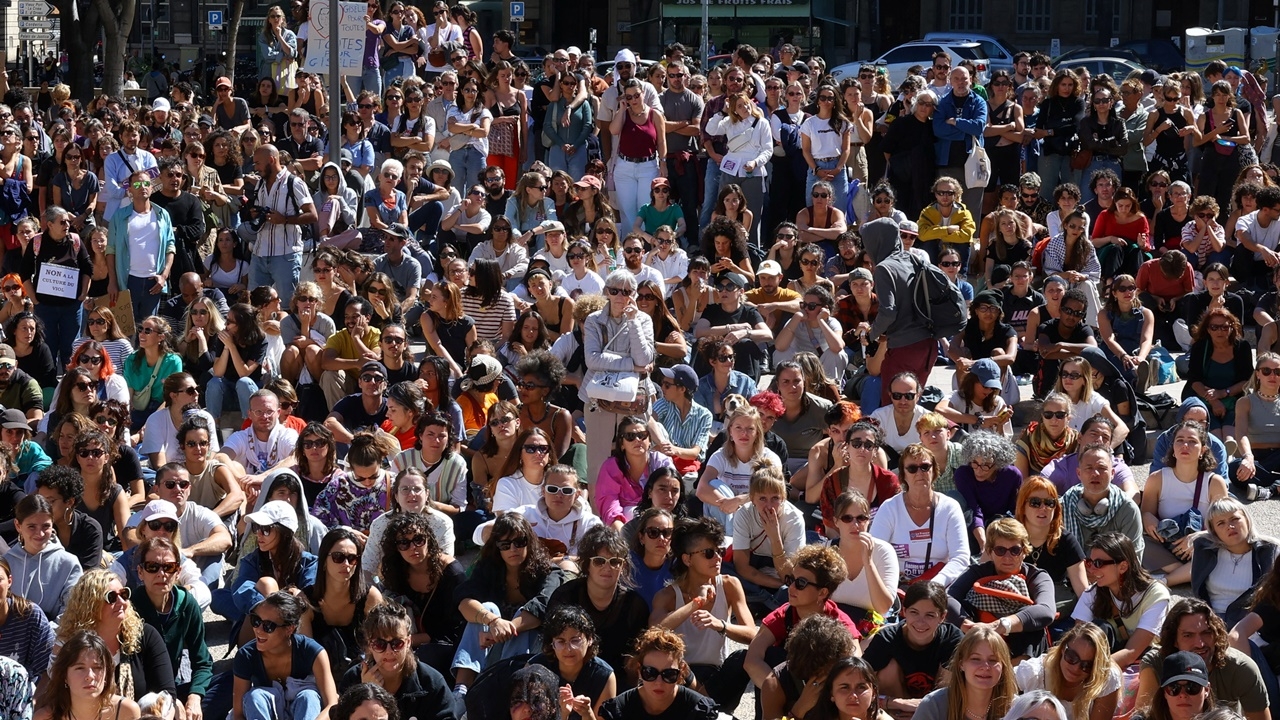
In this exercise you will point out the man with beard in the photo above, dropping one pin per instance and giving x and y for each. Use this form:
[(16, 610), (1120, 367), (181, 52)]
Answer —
[(1030, 201), (120, 166), (187, 215), (18, 390), (775, 303), (633, 256), (346, 351), (496, 193)]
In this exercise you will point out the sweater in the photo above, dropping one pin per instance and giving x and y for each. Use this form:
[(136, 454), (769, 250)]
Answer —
[(932, 227), (46, 577), (182, 630), (28, 639)]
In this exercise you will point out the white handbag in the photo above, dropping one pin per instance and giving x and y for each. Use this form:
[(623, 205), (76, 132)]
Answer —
[(977, 169), (618, 391)]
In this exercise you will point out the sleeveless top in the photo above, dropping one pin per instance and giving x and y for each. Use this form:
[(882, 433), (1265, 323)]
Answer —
[(1264, 420), (704, 646), (1176, 496), (106, 518), (1002, 115), (204, 491), (638, 141), (1127, 328), (1168, 142), (1210, 124)]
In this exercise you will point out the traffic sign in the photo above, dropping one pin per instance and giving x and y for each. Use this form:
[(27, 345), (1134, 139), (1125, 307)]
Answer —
[(29, 35), (31, 24), (517, 11), (34, 8), (215, 19)]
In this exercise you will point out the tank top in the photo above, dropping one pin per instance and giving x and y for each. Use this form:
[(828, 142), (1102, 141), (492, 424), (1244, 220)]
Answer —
[(1003, 115), (1264, 420), (1127, 328), (1176, 496), (638, 141), (204, 491), (704, 646)]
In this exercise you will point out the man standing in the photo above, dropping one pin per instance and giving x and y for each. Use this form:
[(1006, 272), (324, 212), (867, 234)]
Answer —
[(285, 206), (366, 409), (958, 124), (438, 110), (300, 146), (141, 239), (683, 110), (745, 58), (266, 444), (120, 166), (190, 288), (624, 66), (185, 212), (911, 347), (1021, 69), (503, 41)]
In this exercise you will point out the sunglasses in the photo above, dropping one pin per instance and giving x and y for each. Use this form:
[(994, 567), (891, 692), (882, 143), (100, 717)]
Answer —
[(902, 395), (861, 444), (1125, 288), (1070, 375), (1077, 314), (536, 449), (86, 386), (1184, 686), (1038, 503), (649, 673), (798, 583), (415, 541), (725, 358), (1002, 551), (155, 568), (519, 543), (618, 291), (944, 193), (196, 444), (709, 553), (171, 484), (380, 645), (370, 377), (87, 453), (1218, 327), (1054, 414), (950, 264), (559, 489), (106, 420), (634, 436), (922, 467), (1073, 658), (849, 518), (810, 263), (15, 288), (633, 250), (342, 558), (614, 562), (1098, 564), (89, 360), (267, 626), (646, 297), (115, 596), (170, 526), (655, 533)]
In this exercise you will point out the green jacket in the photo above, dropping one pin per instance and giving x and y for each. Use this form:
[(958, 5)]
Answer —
[(183, 633)]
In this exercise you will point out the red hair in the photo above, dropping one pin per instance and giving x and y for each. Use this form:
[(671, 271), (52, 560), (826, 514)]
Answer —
[(105, 370), (16, 278), (770, 402)]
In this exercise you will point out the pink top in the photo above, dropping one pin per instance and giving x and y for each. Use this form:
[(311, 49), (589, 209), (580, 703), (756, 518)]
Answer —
[(638, 141), (616, 495)]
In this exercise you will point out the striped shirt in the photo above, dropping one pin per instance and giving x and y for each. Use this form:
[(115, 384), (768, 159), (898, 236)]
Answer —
[(446, 481), (688, 432), (489, 319), (285, 239), (28, 639)]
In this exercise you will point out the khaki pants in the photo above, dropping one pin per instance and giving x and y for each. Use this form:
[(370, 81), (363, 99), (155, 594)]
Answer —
[(337, 384)]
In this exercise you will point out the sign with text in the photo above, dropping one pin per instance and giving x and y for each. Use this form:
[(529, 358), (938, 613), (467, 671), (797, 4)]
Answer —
[(59, 281), (350, 37)]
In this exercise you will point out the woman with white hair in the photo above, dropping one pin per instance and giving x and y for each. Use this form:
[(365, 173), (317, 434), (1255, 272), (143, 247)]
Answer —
[(616, 339), (1229, 560), (909, 145), (385, 204), (988, 480), (1036, 705)]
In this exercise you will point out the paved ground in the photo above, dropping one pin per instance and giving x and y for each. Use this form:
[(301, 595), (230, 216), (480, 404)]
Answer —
[(1265, 515)]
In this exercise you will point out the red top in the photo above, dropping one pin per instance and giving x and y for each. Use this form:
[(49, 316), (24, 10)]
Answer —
[(1107, 226), (780, 621), (638, 141), (884, 482), (1152, 280)]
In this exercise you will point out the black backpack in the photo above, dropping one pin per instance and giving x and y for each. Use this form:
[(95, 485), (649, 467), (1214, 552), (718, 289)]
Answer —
[(938, 300)]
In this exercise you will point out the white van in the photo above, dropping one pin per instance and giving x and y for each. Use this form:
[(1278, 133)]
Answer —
[(999, 51)]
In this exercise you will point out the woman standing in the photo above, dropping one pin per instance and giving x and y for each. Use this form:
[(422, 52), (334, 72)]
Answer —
[(469, 122), (508, 136), (1005, 125), (75, 188), (909, 146), (277, 48), (568, 149), (86, 661), (1058, 125), (1168, 127), (59, 314), (400, 45), (825, 143), (641, 145), (1104, 135), (750, 147), (1123, 599), (1226, 128)]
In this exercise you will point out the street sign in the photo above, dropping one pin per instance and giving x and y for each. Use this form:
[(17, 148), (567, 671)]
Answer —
[(517, 11), (34, 8), (25, 24), (215, 19), (27, 35)]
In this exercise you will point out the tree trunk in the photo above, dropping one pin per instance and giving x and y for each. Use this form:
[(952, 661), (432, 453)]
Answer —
[(233, 36), (117, 23), (80, 37)]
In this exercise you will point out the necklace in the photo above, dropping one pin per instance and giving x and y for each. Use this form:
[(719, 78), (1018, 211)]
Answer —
[(1237, 559), (978, 716), (1269, 398), (546, 410)]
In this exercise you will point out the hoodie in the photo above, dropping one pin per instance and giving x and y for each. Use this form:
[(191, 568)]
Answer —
[(46, 577), (568, 530), (893, 275), (345, 195), (1164, 442), (315, 530)]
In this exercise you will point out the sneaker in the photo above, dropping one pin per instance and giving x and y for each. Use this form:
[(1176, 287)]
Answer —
[(1024, 380), (1231, 446), (1262, 493)]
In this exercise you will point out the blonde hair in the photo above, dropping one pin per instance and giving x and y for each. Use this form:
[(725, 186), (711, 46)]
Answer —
[(1086, 392), (932, 421), (1093, 685), (1007, 529), (84, 605), (753, 415), (216, 322), (766, 477), (1006, 687)]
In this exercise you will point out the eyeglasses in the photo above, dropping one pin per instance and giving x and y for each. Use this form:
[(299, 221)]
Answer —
[(709, 553), (922, 467), (114, 596), (1098, 564), (1054, 414), (1192, 689), (798, 583), (655, 533), (850, 518), (156, 568), (267, 626), (342, 558), (519, 543), (649, 673), (415, 541), (94, 453), (1073, 658), (171, 484), (169, 526), (536, 449), (903, 395), (1038, 503), (614, 562), (1002, 551)]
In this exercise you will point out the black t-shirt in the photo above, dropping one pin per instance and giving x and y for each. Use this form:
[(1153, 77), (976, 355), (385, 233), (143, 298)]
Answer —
[(980, 347), (249, 353), (1052, 329), (1167, 228), (436, 613), (617, 626), (920, 666), (1016, 309), (687, 705), (354, 417), (408, 372), (495, 206), (1067, 553), (308, 148), (749, 356), (54, 252), (228, 173), (591, 680), (538, 106)]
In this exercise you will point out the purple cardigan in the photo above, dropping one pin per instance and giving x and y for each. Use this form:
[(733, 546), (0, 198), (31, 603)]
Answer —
[(998, 497)]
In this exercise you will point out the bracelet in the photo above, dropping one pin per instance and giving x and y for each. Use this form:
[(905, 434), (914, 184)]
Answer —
[(723, 629)]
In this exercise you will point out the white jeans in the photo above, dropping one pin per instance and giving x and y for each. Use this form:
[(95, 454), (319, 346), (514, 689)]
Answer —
[(631, 183)]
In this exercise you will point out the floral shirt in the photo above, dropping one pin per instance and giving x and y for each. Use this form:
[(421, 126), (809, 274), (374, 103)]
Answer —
[(345, 502)]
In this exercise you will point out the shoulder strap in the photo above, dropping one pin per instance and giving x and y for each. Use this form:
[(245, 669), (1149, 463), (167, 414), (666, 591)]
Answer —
[(127, 164), (1195, 501)]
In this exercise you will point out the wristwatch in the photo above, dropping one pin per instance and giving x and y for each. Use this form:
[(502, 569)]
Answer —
[(1004, 625)]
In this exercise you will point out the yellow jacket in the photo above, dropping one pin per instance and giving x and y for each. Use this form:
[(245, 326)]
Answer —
[(932, 228)]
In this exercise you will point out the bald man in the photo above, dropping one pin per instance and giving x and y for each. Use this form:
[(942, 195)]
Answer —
[(283, 207), (190, 287)]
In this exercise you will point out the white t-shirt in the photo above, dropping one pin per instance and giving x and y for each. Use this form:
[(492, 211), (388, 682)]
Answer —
[(750, 538), (144, 245), (1150, 621), (647, 272), (258, 456), (1229, 579), (1029, 675), (1267, 237), (884, 562), (734, 478), (884, 416), (590, 284), (1085, 409), (470, 118), (513, 491), (451, 33), (823, 141), (675, 266), (959, 404), (568, 530), (161, 435), (918, 549)]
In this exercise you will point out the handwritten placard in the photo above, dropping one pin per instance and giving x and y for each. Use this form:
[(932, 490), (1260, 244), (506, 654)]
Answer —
[(58, 281), (351, 32)]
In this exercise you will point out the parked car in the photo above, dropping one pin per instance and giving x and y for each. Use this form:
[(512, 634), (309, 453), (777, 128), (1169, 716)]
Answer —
[(1095, 52), (1117, 67), (1159, 55), (999, 51), (898, 60)]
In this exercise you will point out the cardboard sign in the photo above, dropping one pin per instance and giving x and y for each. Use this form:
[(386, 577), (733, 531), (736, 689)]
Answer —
[(122, 310), (351, 35), (58, 281)]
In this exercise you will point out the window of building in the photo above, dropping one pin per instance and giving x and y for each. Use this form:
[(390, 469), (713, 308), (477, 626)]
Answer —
[(966, 14), (1034, 16), (1091, 15)]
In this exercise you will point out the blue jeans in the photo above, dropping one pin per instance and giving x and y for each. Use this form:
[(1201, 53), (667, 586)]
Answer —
[(575, 164), (61, 328), (399, 67), (839, 184), (370, 79), (281, 271), (1054, 171), (424, 223), (710, 189), (1099, 162), (471, 656), (467, 164), (144, 303), (215, 393), (266, 704)]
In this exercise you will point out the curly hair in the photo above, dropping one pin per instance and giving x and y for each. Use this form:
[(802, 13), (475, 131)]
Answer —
[(570, 617), (1185, 607), (99, 438), (724, 227), (660, 640), (65, 481), (825, 563), (541, 364), (815, 644), (990, 446), (358, 695), (84, 605), (395, 569), (509, 526)]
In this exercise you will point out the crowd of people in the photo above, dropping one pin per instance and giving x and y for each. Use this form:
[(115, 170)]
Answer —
[(559, 391)]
